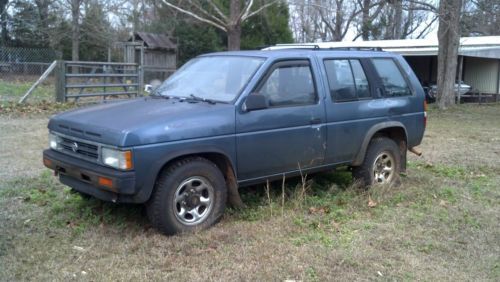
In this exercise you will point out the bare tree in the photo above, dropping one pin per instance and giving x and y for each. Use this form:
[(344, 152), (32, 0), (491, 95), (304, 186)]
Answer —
[(449, 41), (337, 16), (75, 6), (3, 21), (213, 13), (480, 17), (324, 20)]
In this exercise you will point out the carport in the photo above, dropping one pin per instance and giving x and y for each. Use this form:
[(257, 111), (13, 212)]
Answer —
[(478, 61)]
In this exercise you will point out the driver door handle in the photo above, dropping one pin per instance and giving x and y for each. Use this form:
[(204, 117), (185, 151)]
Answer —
[(315, 121)]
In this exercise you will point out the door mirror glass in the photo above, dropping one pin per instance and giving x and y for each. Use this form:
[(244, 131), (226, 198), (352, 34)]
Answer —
[(148, 88), (254, 102)]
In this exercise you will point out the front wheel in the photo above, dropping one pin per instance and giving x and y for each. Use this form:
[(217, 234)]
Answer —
[(189, 195), (382, 163)]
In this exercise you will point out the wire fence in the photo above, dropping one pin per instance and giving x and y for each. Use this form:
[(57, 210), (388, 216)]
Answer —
[(26, 61)]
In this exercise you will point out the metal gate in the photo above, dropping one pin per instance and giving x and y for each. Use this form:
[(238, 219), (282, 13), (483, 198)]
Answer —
[(76, 80)]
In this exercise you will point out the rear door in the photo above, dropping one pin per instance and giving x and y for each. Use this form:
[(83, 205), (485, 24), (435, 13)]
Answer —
[(351, 107), (288, 135)]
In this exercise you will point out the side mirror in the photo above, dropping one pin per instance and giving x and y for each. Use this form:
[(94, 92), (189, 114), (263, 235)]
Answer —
[(148, 88), (255, 102)]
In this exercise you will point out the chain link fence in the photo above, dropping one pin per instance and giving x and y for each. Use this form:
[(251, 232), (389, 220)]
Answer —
[(21, 67), (26, 61)]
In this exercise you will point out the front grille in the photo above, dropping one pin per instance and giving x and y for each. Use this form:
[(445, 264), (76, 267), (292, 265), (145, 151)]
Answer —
[(77, 147)]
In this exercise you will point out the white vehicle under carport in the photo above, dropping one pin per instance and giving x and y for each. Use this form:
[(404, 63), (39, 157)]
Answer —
[(460, 89)]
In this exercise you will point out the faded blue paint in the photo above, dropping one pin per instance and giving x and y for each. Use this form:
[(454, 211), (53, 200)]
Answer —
[(259, 144)]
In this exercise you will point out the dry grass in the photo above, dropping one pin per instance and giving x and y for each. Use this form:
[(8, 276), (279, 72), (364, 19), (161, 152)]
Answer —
[(441, 224)]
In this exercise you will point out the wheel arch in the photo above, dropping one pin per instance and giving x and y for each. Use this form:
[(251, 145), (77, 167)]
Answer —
[(391, 129), (218, 157)]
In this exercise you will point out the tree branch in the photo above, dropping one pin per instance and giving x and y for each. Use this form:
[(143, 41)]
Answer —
[(217, 10), (198, 17), (206, 13), (259, 10)]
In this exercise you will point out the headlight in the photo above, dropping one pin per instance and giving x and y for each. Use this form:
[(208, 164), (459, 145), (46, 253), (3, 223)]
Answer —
[(116, 158), (54, 141)]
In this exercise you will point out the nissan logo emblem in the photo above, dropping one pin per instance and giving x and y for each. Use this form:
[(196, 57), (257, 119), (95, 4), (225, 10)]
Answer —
[(74, 147)]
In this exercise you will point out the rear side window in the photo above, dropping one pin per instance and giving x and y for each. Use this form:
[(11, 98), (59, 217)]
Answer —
[(289, 85), (392, 79), (347, 80)]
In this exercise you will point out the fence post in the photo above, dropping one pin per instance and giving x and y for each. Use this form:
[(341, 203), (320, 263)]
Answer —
[(140, 73), (60, 82)]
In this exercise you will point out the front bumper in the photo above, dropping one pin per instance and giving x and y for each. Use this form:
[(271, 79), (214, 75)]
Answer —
[(85, 177)]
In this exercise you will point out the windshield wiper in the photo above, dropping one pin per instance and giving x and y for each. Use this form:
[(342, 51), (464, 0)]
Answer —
[(200, 99)]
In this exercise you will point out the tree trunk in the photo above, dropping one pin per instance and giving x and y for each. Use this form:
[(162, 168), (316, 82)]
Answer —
[(75, 29), (43, 13), (234, 27), (398, 19), (234, 38), (365, 25), (449, 40), (3, 20)]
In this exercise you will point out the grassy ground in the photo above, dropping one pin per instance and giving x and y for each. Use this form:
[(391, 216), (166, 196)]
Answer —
[(441, 224), (12, 89)]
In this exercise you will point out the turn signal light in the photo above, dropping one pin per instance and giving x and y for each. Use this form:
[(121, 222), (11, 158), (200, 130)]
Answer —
[(47, 162), (104, 181)]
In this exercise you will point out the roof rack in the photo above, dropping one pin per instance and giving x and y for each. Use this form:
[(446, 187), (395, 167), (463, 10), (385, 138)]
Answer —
[(318, 48), (294, 46), (357, 48)]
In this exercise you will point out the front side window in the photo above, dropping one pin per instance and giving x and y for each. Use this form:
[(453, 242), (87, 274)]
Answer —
[(347, 80), (392, 79), (219, 78), (289, 85)]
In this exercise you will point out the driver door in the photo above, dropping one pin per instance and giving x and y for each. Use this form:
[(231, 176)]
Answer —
[(290, 133)]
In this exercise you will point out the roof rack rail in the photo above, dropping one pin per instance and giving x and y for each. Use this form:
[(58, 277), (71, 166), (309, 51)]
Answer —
[(318, 48), (294, 46), (357, 48)]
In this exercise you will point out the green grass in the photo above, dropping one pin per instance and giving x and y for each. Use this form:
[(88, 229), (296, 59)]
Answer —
[(13, 90), (440, 224)]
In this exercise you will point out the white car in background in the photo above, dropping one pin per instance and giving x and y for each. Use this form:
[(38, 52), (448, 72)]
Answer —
[(431, 91)]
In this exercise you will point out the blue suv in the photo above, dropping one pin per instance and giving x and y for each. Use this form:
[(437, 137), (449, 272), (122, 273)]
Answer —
[(232, 119)]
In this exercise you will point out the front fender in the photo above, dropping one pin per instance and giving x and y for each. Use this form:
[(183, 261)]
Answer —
[(151, 159)]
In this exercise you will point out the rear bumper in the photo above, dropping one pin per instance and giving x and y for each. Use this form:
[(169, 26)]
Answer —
[(84, 177)]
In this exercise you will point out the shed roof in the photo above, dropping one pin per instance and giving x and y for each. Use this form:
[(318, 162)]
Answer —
[(481, 46), (155, 40)]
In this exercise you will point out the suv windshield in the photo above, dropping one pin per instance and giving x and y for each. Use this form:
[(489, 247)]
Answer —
[(218, 78)]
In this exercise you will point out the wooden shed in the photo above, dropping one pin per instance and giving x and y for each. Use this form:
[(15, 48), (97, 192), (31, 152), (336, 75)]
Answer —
[(157, 53)]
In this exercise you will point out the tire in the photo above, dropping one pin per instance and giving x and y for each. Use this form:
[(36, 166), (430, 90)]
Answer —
[(189, 195), (382, 163)]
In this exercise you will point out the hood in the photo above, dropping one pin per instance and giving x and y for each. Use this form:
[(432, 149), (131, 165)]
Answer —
[(144, 121)]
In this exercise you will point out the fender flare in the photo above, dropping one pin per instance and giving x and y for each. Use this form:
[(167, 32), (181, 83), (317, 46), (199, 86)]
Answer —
[(360, 156), (147, 188)]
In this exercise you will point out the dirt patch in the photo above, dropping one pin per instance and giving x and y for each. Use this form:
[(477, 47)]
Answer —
[(22, 140)]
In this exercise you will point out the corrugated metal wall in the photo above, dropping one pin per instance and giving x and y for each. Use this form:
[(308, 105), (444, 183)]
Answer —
[(482, 74)]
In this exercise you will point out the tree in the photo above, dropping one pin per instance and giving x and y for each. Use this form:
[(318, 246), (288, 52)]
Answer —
[(268, 28), (227, 18), (480, 18), (395, 19), (75, 28), (96, 34), (4, 37), (337, 16), (449, 41)]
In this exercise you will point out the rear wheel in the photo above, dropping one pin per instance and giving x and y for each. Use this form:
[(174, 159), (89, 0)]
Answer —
[(189, 195), (382, 163)]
